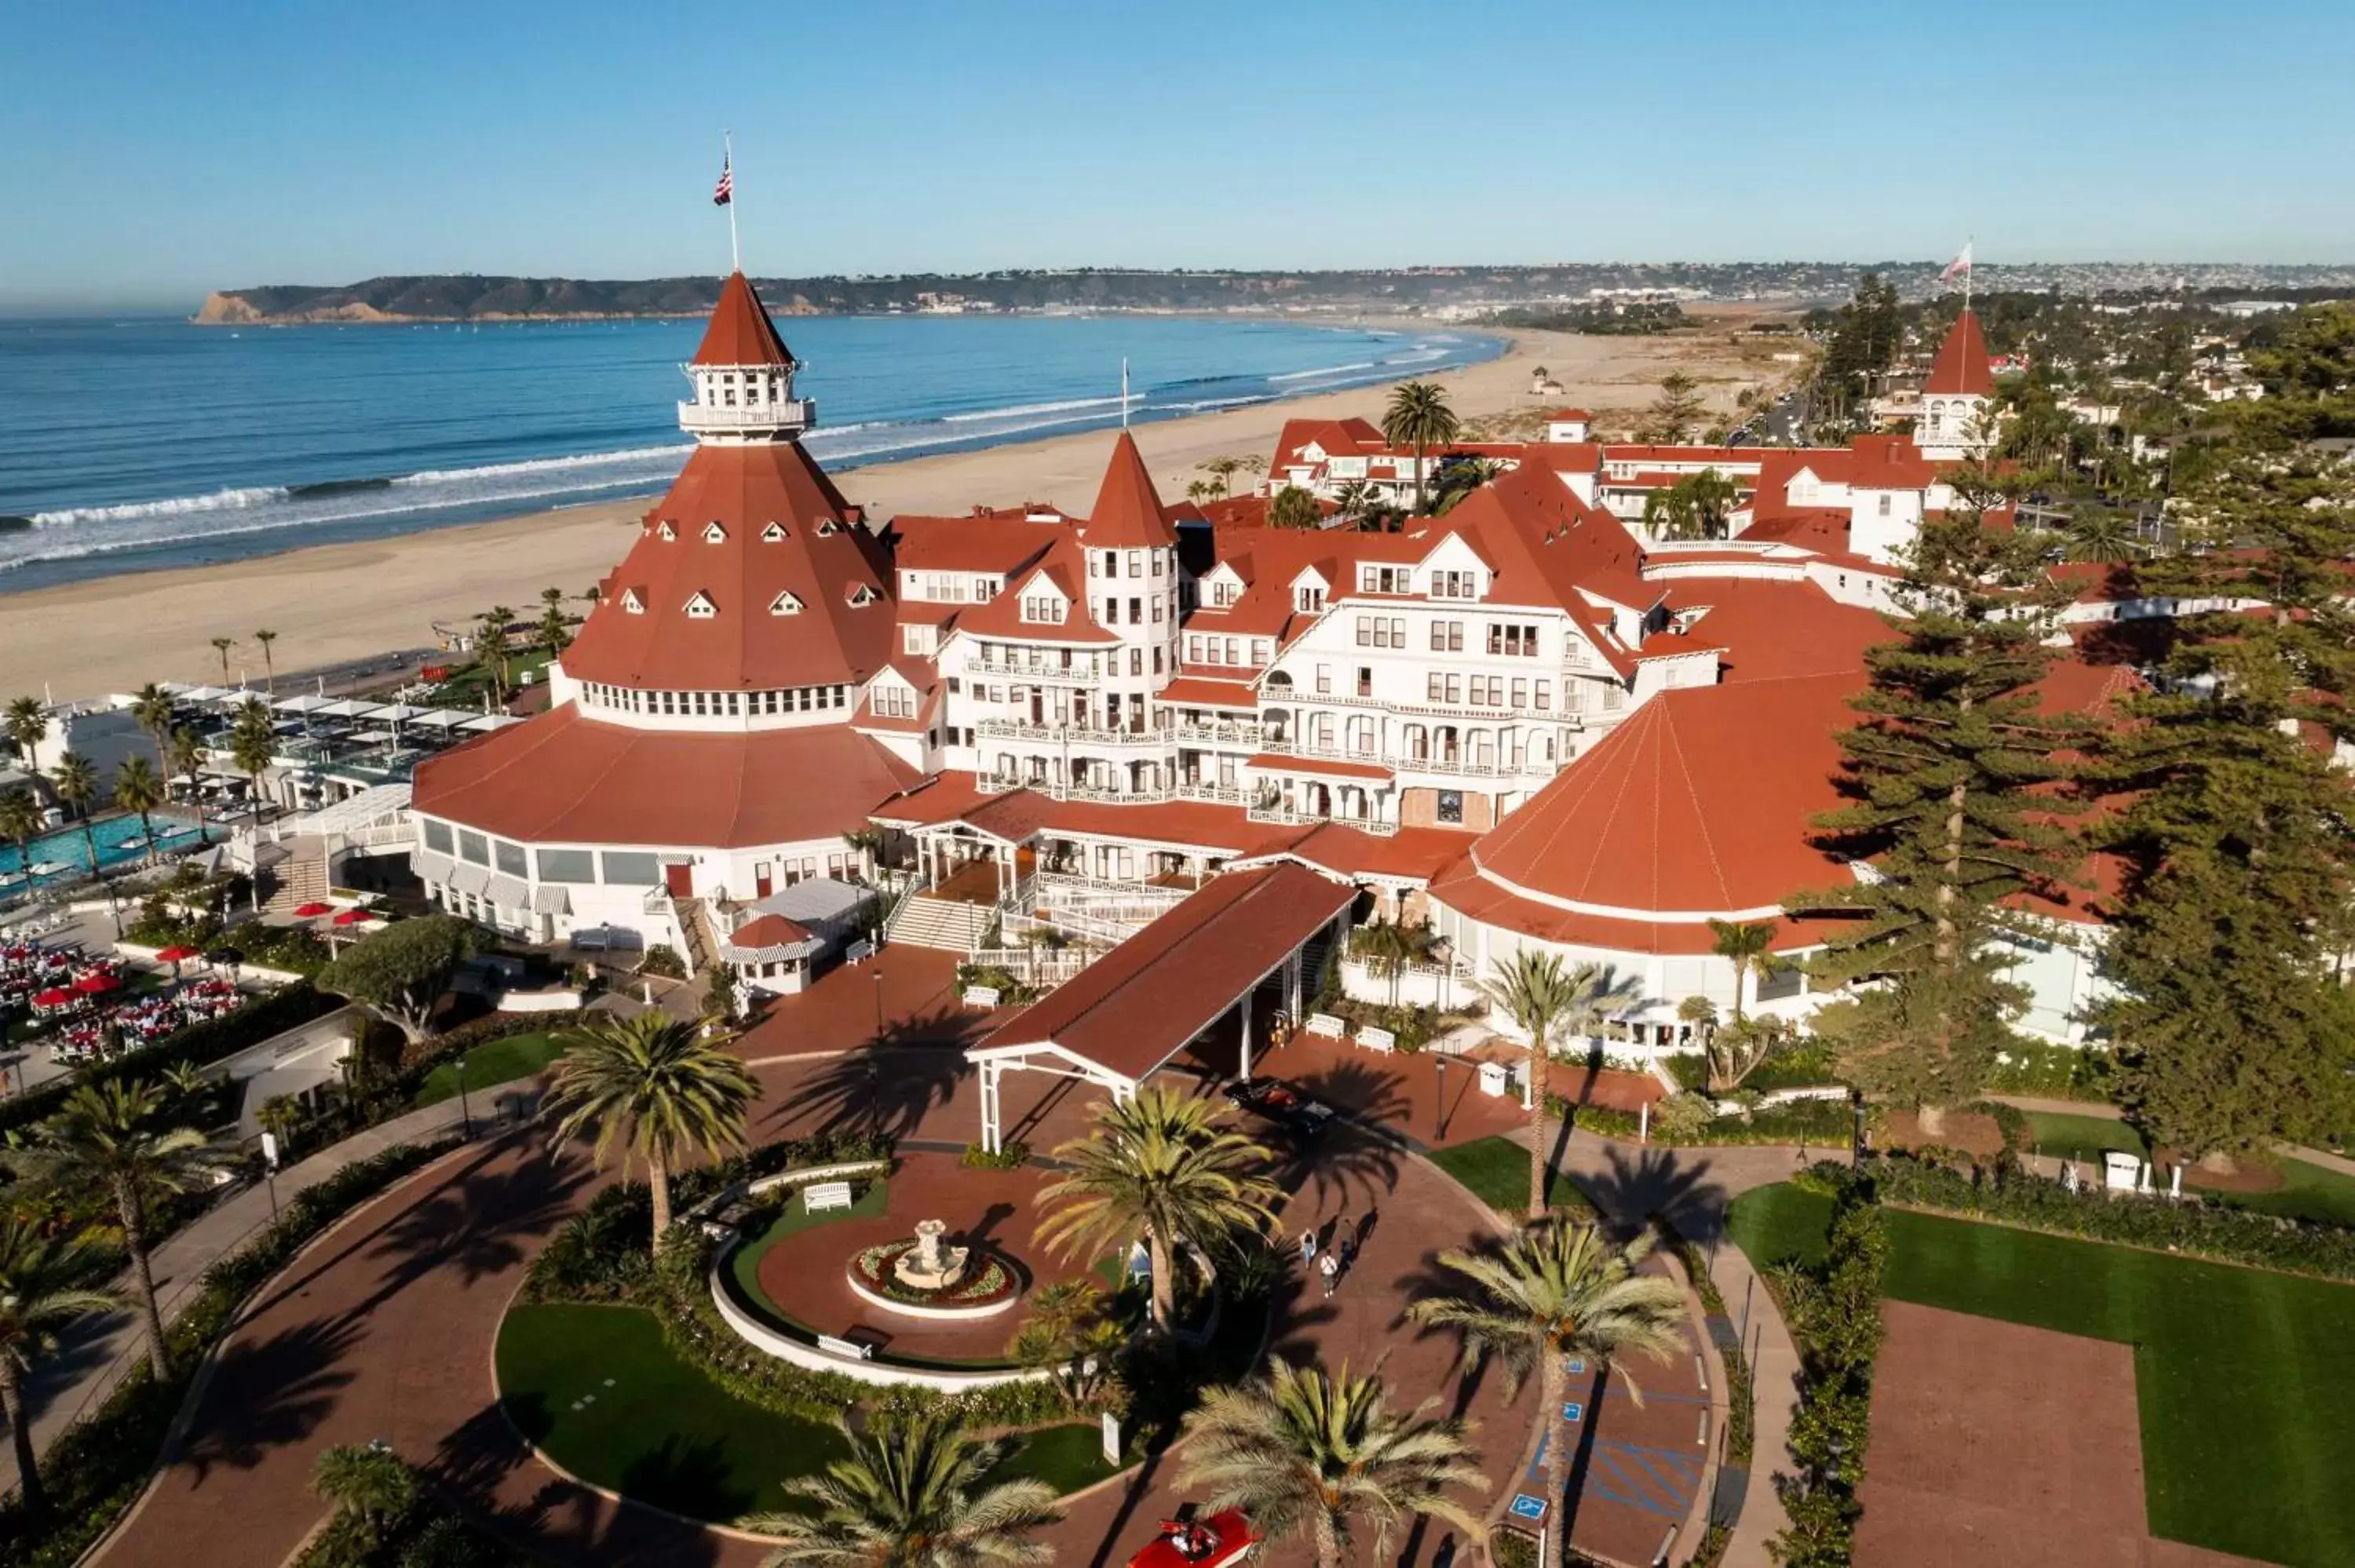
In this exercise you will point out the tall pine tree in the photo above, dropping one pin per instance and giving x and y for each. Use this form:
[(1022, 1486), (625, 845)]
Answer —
[(2231, 1019), (1957, 797)]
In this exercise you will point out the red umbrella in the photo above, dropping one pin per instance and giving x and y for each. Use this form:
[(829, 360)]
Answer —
[(56, 996), (177, 955), (312, 911), (96, 985), (354, 917)]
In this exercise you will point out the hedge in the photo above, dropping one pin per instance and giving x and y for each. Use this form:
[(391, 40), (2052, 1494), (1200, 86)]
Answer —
[(204, 1042), (1833, 1311), (1823, 1123), (97, 1466), (2195, 1230)]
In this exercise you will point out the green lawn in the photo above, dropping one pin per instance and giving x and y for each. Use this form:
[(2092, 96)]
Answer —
[(497, 1062), (2245, 1378), (2308, 1192), (600, 1390), (1497, 1171), (2067, 1135)]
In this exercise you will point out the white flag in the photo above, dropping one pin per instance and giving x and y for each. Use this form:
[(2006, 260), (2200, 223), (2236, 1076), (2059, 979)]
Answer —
[(1960, 267)]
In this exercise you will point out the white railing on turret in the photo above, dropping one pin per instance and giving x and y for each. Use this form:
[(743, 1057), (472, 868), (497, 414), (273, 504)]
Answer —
[(795, 414)]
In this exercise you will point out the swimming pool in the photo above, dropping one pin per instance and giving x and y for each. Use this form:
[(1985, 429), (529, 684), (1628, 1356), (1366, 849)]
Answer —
[(64, 855)]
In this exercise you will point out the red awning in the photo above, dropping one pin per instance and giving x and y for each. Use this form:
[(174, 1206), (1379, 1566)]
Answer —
[(177, 955), (354, 917), (310, 911), (56, 996), (95, 985)]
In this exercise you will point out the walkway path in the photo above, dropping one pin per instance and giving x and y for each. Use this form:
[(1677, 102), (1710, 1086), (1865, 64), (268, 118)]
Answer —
[(1694, 1188), (2104, 1111), (97, 1353)]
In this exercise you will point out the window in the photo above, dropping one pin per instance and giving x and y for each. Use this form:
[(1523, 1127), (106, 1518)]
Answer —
[(1263, 649), (1885, 499), (915, 638), (1234, 651), (1365, 681), (567, 866), (1541, 689), (1136, 563), (632, 602), (1136, 660), (1386, 579), (1043, 610), (1323, 678), (893, 702), (713, 534), (700, 607), (1136, 612), (1613, 697), (666, 531), (437, 835), (1308, 598), (1521, 692), (1516, 641), (1223, 592), (1447, 637), (631, 868), (1449, 808), (1436, 690), (509, 858), (474, 847), (1455, 585)]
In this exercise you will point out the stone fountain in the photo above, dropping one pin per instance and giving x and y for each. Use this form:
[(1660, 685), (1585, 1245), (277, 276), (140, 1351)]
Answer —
[(929, 1267)]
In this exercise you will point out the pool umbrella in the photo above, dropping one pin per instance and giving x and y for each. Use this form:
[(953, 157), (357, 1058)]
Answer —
[(177, 955), (97, 985), (56, 996), (310, 911), (354, 917)]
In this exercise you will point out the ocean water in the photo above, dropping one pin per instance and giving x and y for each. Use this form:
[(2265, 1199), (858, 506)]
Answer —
[(137, 442)]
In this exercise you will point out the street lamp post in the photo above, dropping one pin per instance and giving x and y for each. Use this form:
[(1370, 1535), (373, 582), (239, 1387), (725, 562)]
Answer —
[(465, 1108), (1439, 1066)]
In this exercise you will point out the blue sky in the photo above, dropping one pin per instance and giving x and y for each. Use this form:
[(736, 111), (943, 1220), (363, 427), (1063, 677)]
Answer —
[(150, 151)]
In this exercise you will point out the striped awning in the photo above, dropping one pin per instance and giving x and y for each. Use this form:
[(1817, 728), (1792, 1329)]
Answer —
[(431, 865), (508, 893), (550, 898), (473, 879)]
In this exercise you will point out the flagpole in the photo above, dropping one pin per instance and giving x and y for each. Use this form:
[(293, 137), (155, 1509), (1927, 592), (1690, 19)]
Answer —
[(1123, 391), (728, 162), (1970, 243)]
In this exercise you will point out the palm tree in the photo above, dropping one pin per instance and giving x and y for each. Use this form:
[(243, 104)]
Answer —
[(137, 788), (184, 753), (913, 1492), (111, 1136), (553, 627), (253, 742), (1418, 417), (75, 780), (41, 1291), (365, 1479), (20, 818), (1306, 1451), (1546, 1000), (27, 722), (152, 706), (2103, 536), (268, 664), (1292, 507), (1551, 1292), (496, 622), (1221, 470), (1160, 1165), (1357, 499), (1201, 489), (281, 1116), (222, 645), (1698, 506), (1459, 479), (656, 1084), (1746, 943)]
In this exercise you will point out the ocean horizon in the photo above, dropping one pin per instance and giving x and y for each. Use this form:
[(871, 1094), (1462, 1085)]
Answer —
[(140, 441)]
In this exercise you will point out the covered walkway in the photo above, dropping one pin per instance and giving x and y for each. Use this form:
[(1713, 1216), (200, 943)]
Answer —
[(1126, 1015)]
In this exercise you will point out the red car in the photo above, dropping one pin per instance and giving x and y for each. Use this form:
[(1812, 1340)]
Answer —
[(1214, 1543)]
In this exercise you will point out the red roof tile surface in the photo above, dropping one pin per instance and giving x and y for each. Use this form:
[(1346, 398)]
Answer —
[(1127, 514), (743, 644), (740, 332), (565, 779), (1138, 1005), (1961, 366)]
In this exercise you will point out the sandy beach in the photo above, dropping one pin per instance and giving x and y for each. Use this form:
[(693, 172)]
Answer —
[(334, 603)]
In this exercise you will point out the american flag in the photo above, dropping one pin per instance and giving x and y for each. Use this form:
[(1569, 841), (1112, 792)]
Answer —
[(1960, 267), (725, 191)]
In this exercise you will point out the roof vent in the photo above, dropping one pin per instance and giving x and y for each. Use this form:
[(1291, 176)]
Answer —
[(713, 534), (700, 607), (786, 604), (772, 534), (666, 531)]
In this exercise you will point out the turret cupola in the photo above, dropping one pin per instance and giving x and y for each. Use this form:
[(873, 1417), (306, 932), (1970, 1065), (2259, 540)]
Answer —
[(743, 376)]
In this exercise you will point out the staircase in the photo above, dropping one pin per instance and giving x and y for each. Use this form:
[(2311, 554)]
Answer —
[(291, 872), (694, 925), (948, 924)]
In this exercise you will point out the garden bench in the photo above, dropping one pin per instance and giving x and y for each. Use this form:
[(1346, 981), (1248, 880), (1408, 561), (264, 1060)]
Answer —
[(981, 996), (841, 1347), (820, 1196), (1379, 1041), (1325, 1023)]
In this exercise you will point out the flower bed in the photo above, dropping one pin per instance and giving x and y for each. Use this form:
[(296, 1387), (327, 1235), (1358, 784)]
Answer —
[(992, 1282)]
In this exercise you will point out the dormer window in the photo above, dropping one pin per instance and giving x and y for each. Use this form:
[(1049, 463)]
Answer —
[(701, 607), (862, 595), (1386, 579), (786, 604), (1043, 610), (774, 534), (1455, 585), (713, 534), (827, 528), (1224, 591), (632, 602), (666, 531), (1308, 598)]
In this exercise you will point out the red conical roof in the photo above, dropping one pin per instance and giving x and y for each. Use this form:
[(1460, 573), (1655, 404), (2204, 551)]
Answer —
[(1961, 369), (791, 592), (740, 332), (1127, 513)]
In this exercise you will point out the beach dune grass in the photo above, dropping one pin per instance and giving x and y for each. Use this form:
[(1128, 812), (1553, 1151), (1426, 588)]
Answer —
[(600, 1391), (2245, 1378)]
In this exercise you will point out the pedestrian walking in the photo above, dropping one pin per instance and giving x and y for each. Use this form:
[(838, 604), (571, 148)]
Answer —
[(1308, 1247), (1331, 1269)]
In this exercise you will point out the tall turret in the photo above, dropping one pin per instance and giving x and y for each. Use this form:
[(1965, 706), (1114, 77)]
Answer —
[(1958, 419), (743, 376)]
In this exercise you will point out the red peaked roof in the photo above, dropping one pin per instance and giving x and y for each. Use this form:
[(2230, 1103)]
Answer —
[(740, 332), (1962, 363), (1127, 513), (1697, 804), (823, 560)]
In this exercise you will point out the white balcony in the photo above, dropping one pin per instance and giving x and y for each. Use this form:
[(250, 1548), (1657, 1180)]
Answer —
[(1072, 734), (794, 414), (1234, 732), (1082, 670)]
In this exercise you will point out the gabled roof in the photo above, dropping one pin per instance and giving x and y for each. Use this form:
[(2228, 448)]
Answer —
[(1889, 462), (740, 332), (1066, 572), (1127, 514), (1961, 366), (741, 645)]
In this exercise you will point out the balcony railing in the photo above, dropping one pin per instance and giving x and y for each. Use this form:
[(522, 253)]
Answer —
[(1084, 671), (1455, 764), (793, 414), (1287, 816), (1235, 732), (1070, 734)]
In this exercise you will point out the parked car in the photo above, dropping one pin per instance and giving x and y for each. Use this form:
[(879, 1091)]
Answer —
[(1216, 1541), (1301, 1114)]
